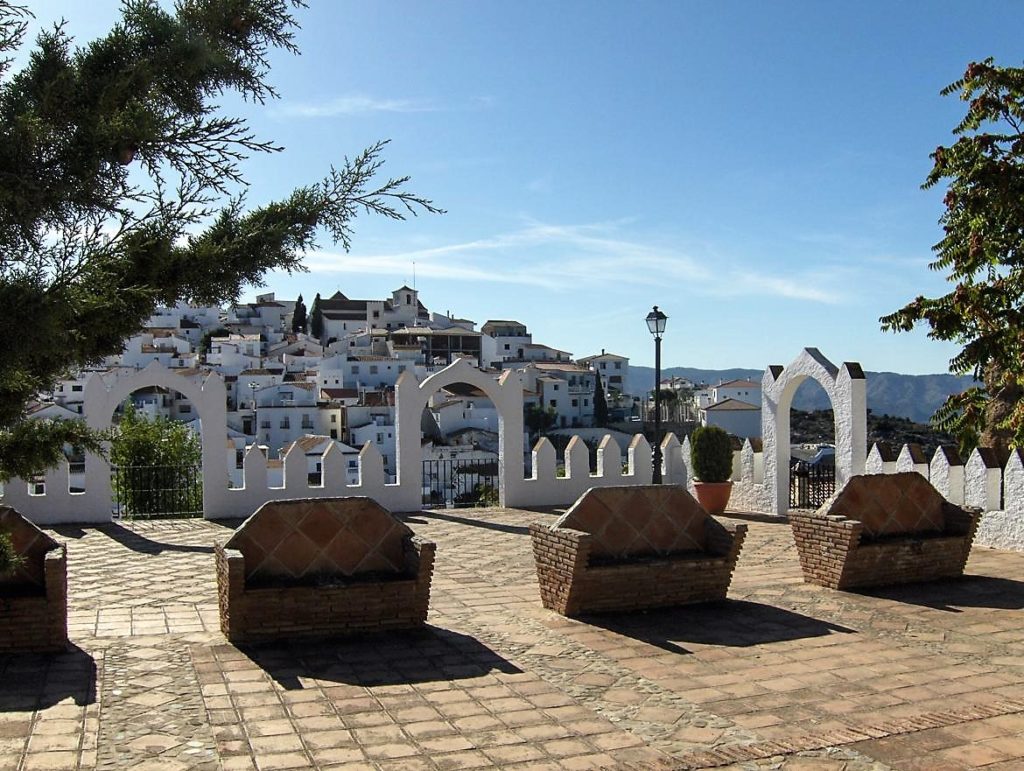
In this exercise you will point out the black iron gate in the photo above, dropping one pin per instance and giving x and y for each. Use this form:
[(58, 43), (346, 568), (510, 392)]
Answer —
[(810, 484), (465, 483), (154, 492)]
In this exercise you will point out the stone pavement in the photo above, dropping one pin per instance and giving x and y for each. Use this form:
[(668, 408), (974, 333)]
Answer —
[(783, 675)]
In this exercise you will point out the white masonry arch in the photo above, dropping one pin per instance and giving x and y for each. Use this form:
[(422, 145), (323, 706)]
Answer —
[(104, 393), (847, 391), (411, 397)]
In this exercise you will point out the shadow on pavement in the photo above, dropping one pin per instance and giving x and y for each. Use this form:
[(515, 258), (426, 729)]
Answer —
[(423, 517), (955, 593), (143, 545), (733, 623), (392, 658), (33, 681)]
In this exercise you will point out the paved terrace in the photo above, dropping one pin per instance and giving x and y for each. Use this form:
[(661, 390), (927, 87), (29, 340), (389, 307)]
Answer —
[(783, 675)]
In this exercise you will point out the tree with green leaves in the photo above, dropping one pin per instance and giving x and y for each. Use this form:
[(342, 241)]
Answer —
[(600, 403), (207, 339), (299, 317), (539, 419), (157, 465), (123, 190), (982, 255), (316, 322)]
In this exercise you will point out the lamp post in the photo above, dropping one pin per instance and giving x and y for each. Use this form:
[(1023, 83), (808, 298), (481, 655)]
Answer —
[(656, 324), (253, 385)]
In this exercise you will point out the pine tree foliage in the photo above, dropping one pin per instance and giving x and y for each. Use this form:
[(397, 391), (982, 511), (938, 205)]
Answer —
[(299, 316), (123, 189), (316, 319), (600, 403), (982, 254)]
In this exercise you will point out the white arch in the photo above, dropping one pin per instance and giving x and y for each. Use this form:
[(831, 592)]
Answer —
[(506, 393), (847, 391), (103, 395)]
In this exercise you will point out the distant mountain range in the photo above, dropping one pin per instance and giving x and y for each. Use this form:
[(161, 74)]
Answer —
[(907, 396)]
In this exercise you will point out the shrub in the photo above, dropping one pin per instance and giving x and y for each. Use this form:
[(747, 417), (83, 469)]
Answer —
[(711, 454), (10, 560)]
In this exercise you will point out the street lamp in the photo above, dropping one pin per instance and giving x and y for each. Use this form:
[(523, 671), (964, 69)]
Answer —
[(656, 324), (253, 385)]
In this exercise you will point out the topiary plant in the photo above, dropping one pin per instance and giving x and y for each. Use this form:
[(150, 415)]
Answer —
[(711, 454), (10, 560)]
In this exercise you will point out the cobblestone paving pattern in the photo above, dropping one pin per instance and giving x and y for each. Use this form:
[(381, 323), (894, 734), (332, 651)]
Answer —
[(152, 707), (782, 676)]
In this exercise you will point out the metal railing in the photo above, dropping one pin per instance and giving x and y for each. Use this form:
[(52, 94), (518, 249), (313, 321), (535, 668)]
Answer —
[(157, 492), (811, 484), (460, 483)]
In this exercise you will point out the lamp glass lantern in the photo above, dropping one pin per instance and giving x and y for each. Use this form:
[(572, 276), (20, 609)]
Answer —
[(656, 321)]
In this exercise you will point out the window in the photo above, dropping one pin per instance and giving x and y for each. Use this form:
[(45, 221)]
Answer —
[(355, 369), (380, 438), (604, 365), (285, 423), (376, 314), (334, 433), (586, 402), (555, 387), (264, 424), (334, 418), (507, 346), (553, 402), (184, 409), (353, 464), (76, 388), (373, 369), (618, 365), (575, 402), (307, 422)]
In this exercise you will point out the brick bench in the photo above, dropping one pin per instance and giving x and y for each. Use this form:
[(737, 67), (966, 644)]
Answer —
[(628, 548), (33, 600), (320, 567), (883, 529)]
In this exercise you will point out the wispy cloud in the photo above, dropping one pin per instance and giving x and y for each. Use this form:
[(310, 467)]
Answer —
[(568, 258), (362, 104), (748, 283), (357, 104)]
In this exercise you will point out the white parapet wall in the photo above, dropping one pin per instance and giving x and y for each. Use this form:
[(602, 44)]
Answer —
[(760, 474)]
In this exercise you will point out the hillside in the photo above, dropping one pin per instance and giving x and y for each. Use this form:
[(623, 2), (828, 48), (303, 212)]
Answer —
[(819, 426), (915, 397)]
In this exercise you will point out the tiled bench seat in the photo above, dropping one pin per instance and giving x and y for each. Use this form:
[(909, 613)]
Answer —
[(628, 548), (318, 567), (33, 599), (883, 529)]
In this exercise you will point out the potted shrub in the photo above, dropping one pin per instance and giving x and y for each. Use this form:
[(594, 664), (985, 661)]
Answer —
[(711, 458)]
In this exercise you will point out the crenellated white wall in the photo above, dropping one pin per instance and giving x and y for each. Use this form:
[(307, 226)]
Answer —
[(761, 478)]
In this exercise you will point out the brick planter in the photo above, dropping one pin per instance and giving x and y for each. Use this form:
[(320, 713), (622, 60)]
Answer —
[(33, 601), (629, 548), (311, 568), (883, 529)]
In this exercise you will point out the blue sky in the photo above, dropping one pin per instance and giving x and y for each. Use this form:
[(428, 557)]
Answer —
[(752, 168)]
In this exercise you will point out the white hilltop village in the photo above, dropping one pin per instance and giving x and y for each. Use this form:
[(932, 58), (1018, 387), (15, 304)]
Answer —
[(286, 386)]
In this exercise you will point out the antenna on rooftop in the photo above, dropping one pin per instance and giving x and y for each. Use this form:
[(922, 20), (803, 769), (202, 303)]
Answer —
[(414, 274)]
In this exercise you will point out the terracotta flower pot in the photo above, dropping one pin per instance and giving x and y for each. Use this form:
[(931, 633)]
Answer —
[(713, 496)]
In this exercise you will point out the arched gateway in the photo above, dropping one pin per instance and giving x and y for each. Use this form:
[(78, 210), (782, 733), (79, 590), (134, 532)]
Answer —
[(505, 393), (846, 389)]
